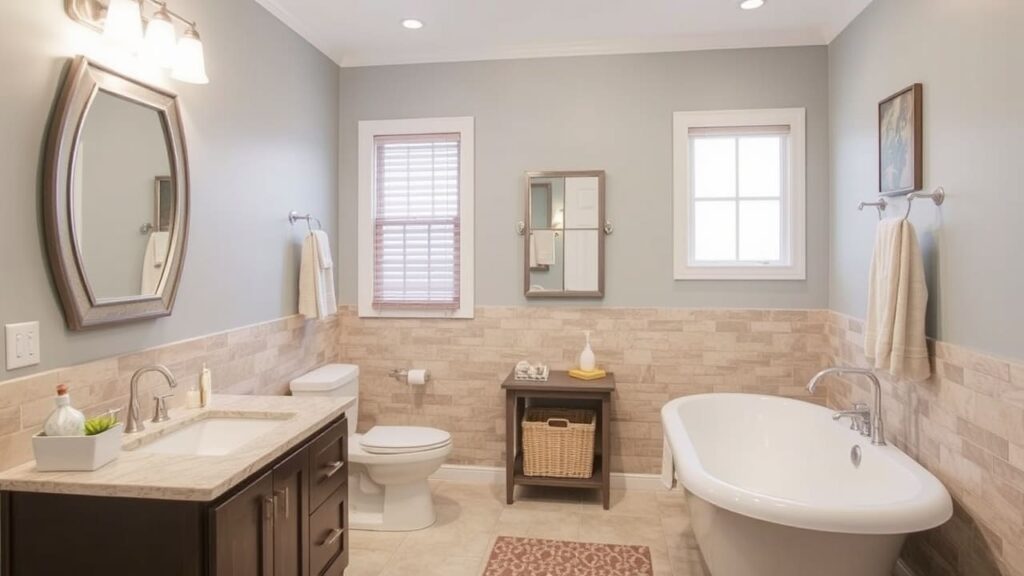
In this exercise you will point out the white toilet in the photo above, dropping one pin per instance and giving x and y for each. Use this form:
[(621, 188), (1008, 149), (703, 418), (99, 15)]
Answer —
[(389, 465)]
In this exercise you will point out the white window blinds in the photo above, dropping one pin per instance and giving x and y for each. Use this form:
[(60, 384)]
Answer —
[(416, 221)]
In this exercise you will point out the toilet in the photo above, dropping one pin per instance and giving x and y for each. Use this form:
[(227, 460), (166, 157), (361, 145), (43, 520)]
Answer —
[(388, 465)]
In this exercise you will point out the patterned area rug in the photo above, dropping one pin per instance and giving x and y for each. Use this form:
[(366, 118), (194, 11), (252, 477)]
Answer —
[(535, 557)]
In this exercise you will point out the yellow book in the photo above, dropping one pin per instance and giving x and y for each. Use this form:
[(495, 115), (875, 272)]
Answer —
[(587, 374)]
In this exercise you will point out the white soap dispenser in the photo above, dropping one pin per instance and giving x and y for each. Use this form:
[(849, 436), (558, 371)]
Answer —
[(587, 360), (64, 420)]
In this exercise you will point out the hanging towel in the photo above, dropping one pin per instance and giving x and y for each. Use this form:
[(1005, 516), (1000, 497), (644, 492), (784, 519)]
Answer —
[(316, 282), (894, 337), (153, 261), (544, 247)]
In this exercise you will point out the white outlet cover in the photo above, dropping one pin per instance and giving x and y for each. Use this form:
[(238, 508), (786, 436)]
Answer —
[(22, 344)]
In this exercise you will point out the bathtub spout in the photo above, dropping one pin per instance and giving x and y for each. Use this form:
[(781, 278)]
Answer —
[(877, 425)]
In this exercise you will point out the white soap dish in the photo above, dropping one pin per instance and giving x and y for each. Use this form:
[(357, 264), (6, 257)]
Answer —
[(531, 372)]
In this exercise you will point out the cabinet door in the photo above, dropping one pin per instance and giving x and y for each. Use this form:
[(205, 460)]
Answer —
[(243, 531), (328, 455), (291, 516)]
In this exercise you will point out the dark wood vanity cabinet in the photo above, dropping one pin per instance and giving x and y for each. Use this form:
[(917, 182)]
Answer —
[(287, 519)]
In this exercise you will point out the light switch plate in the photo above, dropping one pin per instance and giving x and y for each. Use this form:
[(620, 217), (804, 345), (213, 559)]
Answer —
[(22, 345)]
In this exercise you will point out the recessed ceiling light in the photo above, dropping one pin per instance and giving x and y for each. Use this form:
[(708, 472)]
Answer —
[(751, 4), (414, 24)]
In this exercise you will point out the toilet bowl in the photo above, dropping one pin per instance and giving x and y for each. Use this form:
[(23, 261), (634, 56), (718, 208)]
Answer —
[(388, 465)]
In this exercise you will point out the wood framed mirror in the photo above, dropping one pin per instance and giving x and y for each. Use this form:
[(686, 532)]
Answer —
[(115, 197), (564, 234)]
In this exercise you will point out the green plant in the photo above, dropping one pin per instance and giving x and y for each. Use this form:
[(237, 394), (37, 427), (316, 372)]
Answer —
[(99, 424)]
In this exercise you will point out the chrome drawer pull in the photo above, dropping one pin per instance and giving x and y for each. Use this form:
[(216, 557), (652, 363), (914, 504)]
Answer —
[(333, 467), (332, 537)]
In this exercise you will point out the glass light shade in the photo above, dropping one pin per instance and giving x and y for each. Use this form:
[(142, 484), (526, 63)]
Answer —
[(160, 47), (189, 62), (123, 25)]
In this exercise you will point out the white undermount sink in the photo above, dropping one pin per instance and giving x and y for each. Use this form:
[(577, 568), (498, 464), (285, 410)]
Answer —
[(213, 436)]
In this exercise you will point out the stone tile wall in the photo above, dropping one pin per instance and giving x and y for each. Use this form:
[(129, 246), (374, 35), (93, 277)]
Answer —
[(656, 354), (965, 425), (258, 359)]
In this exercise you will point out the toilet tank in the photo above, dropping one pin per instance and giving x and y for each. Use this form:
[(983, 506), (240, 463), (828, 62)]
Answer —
[(332, 380)]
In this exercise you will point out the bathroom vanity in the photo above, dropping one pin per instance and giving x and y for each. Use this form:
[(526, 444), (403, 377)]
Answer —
[(255, 486)]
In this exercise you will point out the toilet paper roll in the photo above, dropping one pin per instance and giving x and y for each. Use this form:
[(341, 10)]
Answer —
[(417, 377)]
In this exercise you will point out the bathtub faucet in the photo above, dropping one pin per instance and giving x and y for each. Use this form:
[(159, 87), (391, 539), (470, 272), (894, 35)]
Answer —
[(873, 418)]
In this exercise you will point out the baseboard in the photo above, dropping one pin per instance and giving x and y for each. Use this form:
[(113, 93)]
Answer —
[(496, 475), (902, 569)]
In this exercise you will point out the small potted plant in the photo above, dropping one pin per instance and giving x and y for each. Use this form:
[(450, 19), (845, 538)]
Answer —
[(76, 444)]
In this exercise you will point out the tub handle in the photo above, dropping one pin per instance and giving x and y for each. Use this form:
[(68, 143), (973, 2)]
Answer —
[(557, 422)]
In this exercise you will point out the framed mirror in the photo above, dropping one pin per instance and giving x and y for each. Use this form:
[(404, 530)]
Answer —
[(116, 197), (564, 234)]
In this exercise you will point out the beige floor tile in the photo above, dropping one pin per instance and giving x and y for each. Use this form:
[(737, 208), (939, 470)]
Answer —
[(629, 503), (527, 523), (439, 562), (615, 529), (370, 540), (547, 498), (367, 562)]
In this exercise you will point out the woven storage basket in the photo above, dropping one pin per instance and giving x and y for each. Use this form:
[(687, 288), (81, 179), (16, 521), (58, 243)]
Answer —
[(559, 442)]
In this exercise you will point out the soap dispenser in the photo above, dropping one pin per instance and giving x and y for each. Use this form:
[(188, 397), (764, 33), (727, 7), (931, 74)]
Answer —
[(64, 420), (587, 360)]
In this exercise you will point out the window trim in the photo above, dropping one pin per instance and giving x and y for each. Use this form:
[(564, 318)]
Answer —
[(368, 131), (794, 205)]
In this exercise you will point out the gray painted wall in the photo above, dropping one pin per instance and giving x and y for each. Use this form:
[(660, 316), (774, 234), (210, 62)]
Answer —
[(969, 57), (607, 112), (262, 140)]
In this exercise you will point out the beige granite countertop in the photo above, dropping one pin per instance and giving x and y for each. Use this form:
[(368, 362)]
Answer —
[(187, 477)]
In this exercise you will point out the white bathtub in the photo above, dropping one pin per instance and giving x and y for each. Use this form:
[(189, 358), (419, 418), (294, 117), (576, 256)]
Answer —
[(773, 491)]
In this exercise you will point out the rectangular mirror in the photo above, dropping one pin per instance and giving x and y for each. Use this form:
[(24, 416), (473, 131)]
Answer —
[(564, 234)]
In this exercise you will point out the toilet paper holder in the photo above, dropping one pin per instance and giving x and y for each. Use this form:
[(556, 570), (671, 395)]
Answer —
[(403, 375)]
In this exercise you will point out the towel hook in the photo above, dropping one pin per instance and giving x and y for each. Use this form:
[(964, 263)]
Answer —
[(938, 197), (881, 205), (294, 217)]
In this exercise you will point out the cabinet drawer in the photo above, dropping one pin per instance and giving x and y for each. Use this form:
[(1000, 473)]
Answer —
[(328, 463), (328, 531)]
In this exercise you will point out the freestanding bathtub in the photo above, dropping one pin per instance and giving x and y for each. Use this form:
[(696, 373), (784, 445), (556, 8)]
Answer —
[(773, 489)]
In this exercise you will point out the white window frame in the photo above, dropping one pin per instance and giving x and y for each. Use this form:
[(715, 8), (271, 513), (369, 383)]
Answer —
[(793, 211), (370, 129)]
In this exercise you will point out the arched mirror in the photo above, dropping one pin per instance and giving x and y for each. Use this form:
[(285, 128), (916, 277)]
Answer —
[(116, 198)]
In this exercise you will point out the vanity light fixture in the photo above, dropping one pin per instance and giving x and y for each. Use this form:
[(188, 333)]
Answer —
[(751, 4), (121, 23), (412, 24), (160, 46), (189, 62)]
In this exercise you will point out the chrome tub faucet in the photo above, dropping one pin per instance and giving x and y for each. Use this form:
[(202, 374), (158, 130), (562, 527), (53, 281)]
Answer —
[(867, 421)]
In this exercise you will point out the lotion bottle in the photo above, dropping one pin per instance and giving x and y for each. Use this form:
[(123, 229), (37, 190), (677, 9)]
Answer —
[(587, 360), (205, 387), (64, 420)]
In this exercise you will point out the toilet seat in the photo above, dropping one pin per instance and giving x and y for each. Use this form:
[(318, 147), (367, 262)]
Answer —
[(403, 439)]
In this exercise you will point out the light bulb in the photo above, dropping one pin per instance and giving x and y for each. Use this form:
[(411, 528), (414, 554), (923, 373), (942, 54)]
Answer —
[(160, 46), (412, 24), (189, 62), (123, 25), (751, 4)]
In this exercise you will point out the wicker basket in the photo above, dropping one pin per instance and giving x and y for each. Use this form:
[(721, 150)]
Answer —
[(559, 442)]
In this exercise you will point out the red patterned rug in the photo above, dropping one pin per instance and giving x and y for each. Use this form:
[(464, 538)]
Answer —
[(535, 557)]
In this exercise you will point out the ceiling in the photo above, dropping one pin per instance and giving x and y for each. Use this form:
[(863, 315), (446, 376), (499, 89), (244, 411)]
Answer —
[(369, 32)]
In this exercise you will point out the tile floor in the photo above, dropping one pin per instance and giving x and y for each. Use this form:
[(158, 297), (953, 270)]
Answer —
[(471, 516)]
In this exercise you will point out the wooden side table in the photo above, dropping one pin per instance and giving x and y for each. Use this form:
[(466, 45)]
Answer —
[(560, 386)]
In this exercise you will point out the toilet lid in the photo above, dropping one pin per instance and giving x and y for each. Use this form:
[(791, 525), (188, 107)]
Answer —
[(402, 439)]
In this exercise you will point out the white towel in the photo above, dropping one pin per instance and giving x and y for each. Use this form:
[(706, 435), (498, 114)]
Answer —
[(316, 283), (323, 244), (894, 337), (153, 261), (544, 247)]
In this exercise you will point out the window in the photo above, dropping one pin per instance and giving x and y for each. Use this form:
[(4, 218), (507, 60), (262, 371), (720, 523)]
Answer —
[(739, 195), (416, 218)]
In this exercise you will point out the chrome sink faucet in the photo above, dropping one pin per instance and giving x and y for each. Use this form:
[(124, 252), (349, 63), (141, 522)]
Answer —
[(134, 423), (866, 421)]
